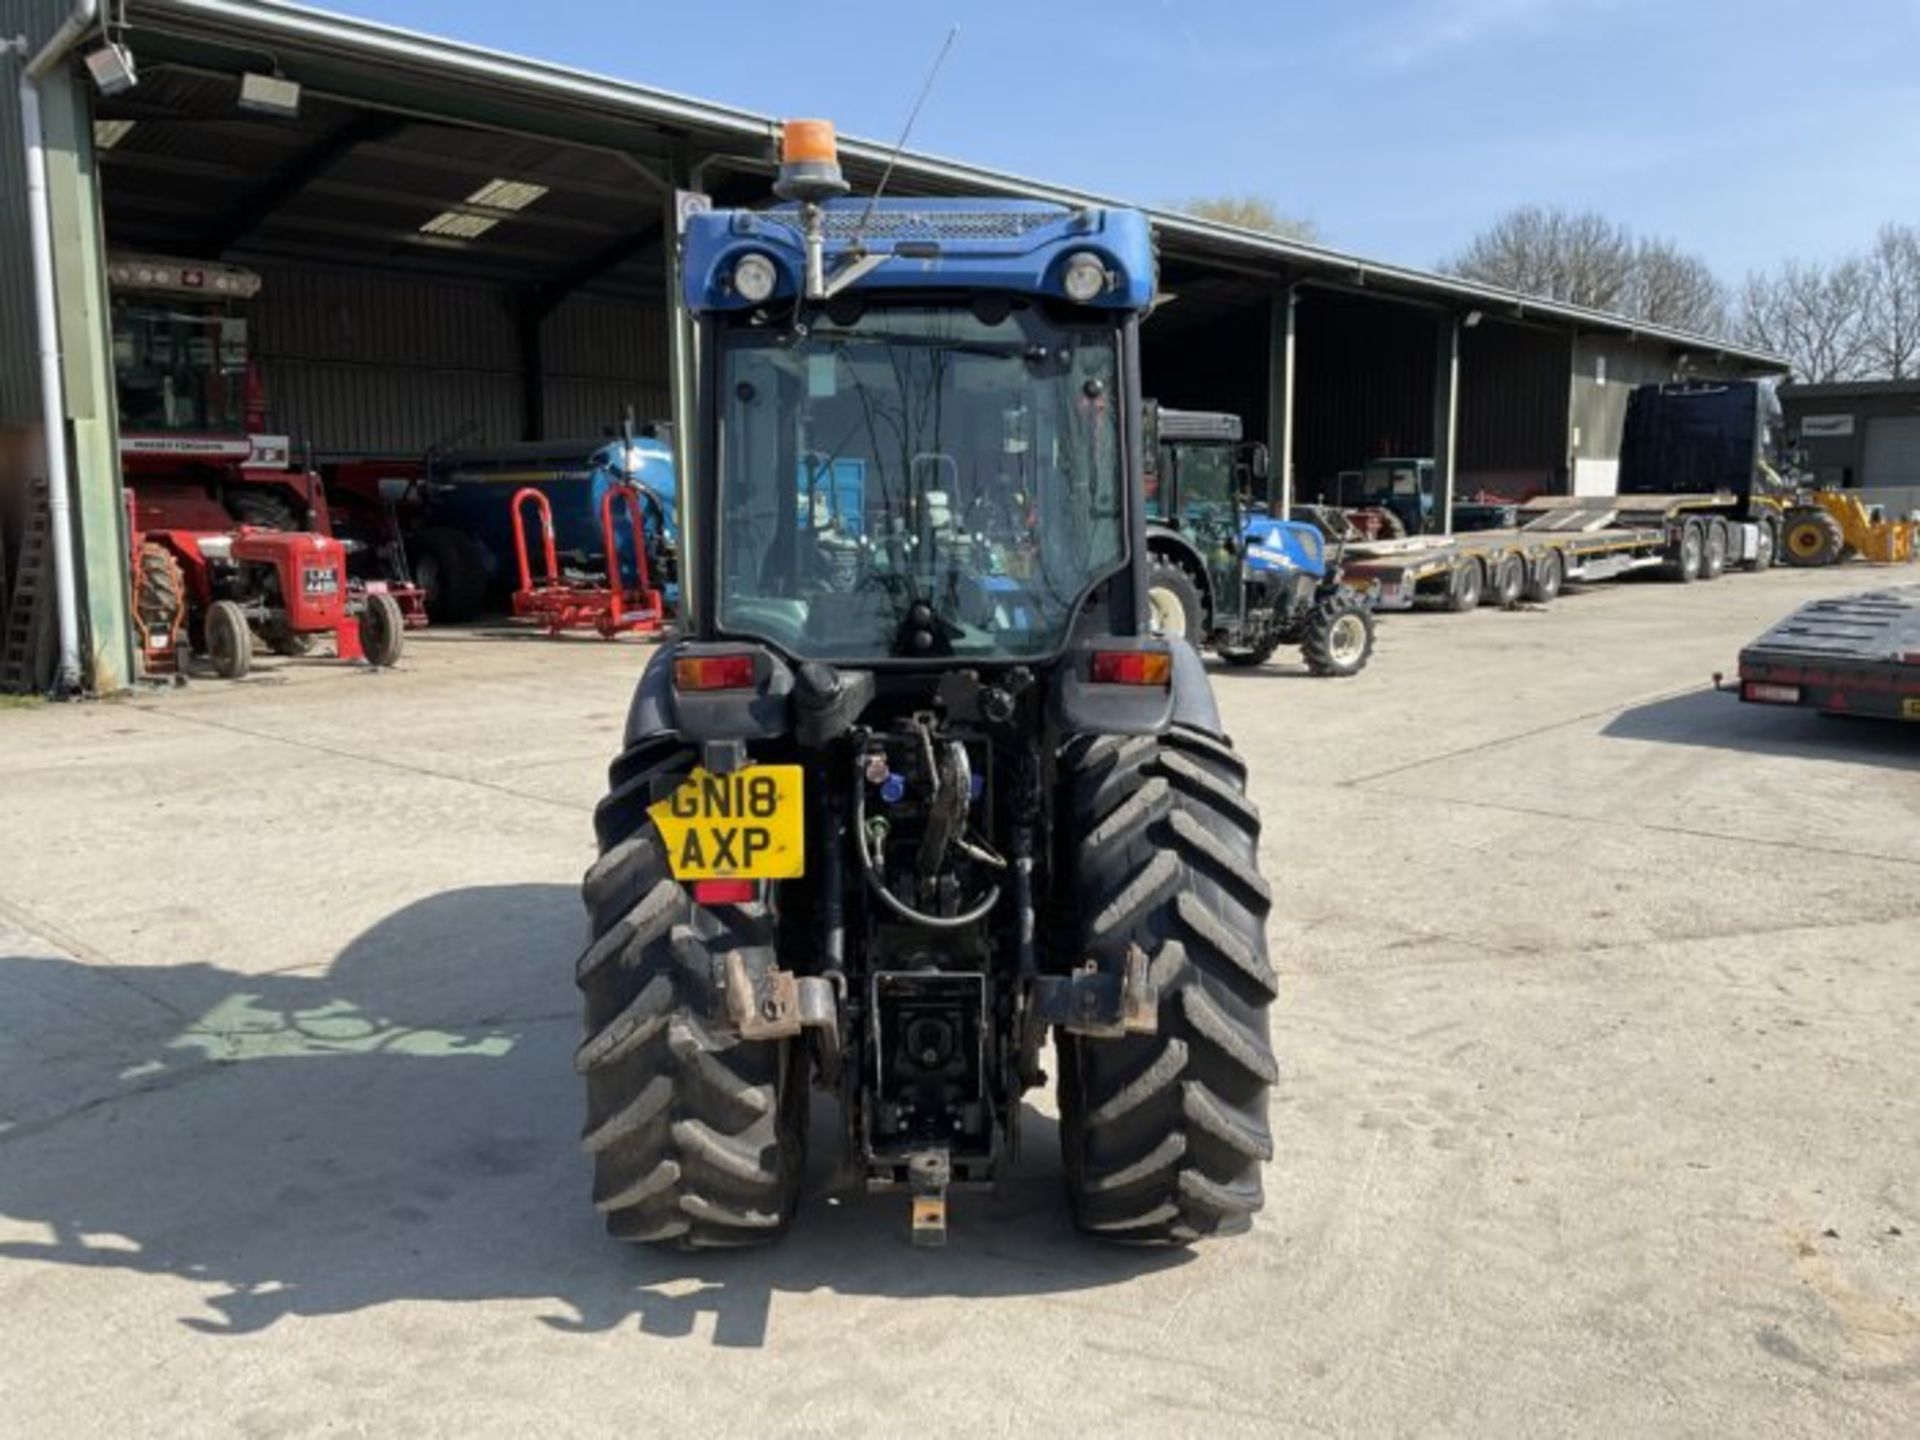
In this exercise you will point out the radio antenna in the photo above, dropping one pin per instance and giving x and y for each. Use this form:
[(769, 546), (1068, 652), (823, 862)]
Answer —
[(899, 145)]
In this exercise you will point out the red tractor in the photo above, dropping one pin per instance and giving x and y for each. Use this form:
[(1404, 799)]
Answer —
[(229, 538)]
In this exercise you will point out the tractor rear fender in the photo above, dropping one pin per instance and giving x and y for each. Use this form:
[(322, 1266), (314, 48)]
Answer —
[(757, 714), (1082, 707)]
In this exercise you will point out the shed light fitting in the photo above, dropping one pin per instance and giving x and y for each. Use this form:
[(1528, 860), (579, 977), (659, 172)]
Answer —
[(511, 195), (109, 133), (112, 68), (270, 95), (458, 225)]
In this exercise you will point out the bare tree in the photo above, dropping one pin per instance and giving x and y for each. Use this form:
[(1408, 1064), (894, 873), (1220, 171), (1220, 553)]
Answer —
[(1583, 258), (1891, 332), (1814, 315), (1251, 212), (1667, 286), (1579, 258)]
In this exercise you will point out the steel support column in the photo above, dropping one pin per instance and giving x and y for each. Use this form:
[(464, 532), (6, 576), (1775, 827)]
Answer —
[(1281, 349), (1446, 411)]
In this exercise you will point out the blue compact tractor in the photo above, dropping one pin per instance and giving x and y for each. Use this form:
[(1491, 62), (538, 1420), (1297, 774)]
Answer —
[(1243, 584)]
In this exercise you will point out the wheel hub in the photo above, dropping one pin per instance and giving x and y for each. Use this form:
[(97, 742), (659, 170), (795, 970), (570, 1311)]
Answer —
[(1347, 639)]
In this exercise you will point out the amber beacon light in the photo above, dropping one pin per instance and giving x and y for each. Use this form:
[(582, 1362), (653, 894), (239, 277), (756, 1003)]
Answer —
[(809, 163)]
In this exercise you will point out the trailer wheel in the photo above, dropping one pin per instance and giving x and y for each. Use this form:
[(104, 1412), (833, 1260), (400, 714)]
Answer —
[(1174, 601), (1549, 574), (1464, 585), (1509, 580), (1164, 1134), (1766, 546), (382, 629), (229, 640), (1812, 538), (1338, 638), (697, 1136), (1687, 560), (1713, 553), (451, 569)]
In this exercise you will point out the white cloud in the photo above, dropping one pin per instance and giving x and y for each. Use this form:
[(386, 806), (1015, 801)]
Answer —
[(1423, 31)]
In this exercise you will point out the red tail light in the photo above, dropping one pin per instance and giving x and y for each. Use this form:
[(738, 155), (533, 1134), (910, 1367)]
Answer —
[(713, 672), (723, 892), (1132, 667)]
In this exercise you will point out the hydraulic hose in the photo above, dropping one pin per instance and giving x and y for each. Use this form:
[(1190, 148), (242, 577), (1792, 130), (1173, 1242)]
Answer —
[(893, 902)]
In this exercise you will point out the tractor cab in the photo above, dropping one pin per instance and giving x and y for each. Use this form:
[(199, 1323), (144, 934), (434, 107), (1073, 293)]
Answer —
[(192, 412), (1402, 488), (927, 460), (1200, 474)]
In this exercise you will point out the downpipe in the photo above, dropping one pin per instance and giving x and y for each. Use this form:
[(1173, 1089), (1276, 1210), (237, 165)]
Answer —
[(53, 395)]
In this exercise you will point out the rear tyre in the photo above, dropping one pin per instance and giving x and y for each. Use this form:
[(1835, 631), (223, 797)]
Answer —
[(1464, 587), (1713, 553), (697, 1137), (268, 509), (283, 641), (1812, 538), (1338, 638), (1255, 654), (160, 593), (451, 570), (1164, 1134), (1687, 560), (1766, 546), (1174, 601), (382, 629), (229, 640), (1549, 574)]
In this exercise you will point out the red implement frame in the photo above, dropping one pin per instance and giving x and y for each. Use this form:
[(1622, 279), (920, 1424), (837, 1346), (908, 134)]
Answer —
[(561, 604)]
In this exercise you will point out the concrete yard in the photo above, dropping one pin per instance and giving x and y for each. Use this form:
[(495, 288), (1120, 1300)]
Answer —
[(1600, 1025)]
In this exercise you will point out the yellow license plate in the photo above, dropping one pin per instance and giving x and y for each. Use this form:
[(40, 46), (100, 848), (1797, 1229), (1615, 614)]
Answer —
[(749, 825), (1910, 709)]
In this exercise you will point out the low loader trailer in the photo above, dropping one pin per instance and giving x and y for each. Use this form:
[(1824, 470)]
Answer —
[(1567, 538), (1853, 655)]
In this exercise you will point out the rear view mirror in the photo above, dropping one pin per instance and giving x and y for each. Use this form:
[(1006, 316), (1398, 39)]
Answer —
[(1259, 462)]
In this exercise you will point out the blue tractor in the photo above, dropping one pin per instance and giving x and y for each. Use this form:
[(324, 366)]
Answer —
[(918, 783), (462, 550), (1240, 582)]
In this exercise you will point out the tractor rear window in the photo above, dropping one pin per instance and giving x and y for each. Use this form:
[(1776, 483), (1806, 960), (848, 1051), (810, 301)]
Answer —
[(880, 466)]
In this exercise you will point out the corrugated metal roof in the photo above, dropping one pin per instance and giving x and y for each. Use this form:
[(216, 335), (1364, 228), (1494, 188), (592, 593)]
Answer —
[(434, 58)]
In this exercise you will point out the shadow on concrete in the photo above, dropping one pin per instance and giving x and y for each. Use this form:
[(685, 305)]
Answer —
[(402, 1127), (1718, 721)]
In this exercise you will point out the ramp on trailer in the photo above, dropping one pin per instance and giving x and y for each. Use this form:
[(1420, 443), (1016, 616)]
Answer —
[(1855, 655)]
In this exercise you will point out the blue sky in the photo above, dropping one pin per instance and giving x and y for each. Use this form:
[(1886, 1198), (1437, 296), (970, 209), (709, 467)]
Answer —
[(1749, 132)]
